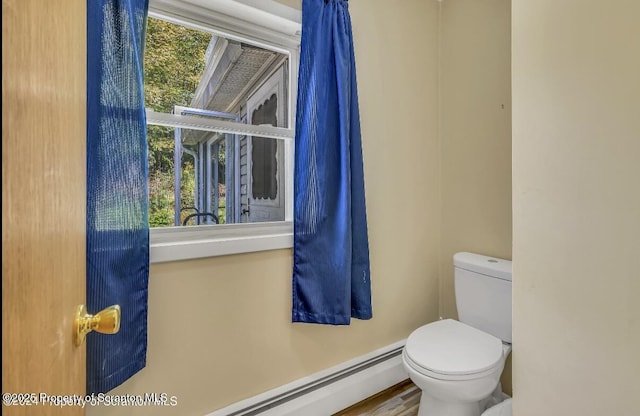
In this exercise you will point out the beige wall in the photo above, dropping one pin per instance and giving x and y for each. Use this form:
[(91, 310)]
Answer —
[(219, 328), (291, 3), (576, 186), (475, 133), (475, 85)]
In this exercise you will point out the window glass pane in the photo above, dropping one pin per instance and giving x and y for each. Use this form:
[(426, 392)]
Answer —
[(193, 68), (206, 178), (200, 177)]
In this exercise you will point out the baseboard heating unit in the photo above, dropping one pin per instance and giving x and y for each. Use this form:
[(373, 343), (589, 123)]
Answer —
[(328, 391)]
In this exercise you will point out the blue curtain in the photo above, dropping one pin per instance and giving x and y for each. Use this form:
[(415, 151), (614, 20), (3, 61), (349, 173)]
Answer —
[(331, 276), (117, 202)]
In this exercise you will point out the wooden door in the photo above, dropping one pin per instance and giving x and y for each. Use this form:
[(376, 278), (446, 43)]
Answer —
[(43, 202)]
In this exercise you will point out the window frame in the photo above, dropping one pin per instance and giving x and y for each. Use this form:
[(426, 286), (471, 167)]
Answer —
[(184, 243)]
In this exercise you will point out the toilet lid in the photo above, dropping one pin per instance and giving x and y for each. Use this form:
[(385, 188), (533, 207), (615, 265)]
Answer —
[(450, 347)]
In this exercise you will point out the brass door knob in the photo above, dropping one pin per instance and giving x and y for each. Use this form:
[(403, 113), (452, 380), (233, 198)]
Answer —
[(107, 321)]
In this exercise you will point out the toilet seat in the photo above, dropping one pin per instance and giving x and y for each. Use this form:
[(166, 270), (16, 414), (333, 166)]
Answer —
[(451, 350)]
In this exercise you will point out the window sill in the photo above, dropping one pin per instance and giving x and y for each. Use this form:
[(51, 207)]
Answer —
[(186, 243)]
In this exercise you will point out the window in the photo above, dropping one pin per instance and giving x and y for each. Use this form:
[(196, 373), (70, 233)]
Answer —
[(219, 116)]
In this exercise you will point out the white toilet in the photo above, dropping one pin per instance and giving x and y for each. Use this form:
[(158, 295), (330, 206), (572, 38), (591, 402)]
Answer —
[(457, 364)]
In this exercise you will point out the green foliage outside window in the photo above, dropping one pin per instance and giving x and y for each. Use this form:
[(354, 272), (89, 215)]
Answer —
[(173, 66)]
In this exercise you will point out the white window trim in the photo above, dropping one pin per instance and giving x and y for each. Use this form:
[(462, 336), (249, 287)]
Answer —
[(265, 23), (185, 243), (267, 20)]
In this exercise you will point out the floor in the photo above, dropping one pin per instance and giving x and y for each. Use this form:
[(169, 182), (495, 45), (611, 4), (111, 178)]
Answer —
[(399, 400)]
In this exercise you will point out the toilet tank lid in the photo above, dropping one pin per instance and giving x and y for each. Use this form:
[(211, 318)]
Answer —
[(490, 266)]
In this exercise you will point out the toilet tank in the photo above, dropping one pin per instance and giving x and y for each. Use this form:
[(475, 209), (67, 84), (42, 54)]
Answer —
[(483, 293)]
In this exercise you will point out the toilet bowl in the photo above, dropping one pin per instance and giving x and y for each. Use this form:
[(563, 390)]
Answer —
[(456, 366), (501, 409)]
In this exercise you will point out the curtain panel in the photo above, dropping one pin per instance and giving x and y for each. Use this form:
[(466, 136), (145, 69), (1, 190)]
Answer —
[(331, 273), (117, 201)]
